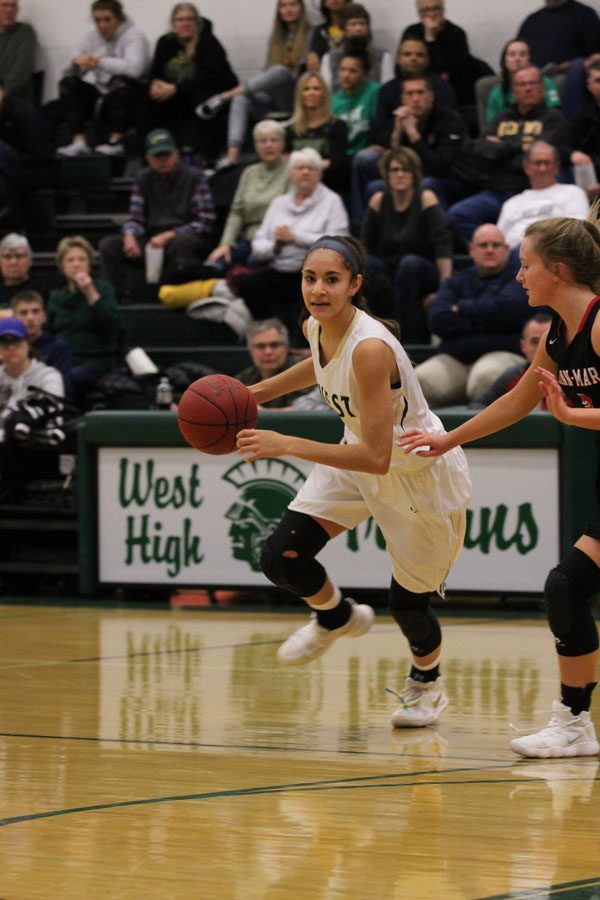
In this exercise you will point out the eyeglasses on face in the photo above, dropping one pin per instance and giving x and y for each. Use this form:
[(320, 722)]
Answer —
[(267, 345), (9, 254)]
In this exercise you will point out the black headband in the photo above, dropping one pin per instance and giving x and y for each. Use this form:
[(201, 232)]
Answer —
[(340, 247)]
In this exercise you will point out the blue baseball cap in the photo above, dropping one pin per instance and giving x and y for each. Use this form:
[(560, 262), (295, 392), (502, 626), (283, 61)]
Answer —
[(13, 327)]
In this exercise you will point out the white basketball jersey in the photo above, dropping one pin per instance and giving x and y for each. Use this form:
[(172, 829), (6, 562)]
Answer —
[(340, 391)]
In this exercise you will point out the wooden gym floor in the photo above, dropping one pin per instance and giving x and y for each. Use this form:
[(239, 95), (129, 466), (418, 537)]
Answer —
[(165, 754)]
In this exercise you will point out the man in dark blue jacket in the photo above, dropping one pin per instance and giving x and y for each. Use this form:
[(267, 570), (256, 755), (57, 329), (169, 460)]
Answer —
[(478, 314)]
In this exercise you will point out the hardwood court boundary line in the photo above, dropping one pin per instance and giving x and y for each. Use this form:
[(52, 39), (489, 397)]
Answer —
[(271, 748), (302, 787)]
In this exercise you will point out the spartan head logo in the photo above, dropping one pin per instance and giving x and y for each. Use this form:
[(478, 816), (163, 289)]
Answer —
[(266, 487)]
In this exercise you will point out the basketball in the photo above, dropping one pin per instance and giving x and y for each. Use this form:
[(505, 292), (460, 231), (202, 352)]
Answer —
[(212, 410)]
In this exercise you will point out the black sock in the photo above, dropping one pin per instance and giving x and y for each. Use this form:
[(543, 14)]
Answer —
[(336, 617), (424, 675), (577, 699)]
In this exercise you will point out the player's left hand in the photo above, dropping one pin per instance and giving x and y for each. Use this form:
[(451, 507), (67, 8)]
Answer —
[(555, 399), (254, 443)]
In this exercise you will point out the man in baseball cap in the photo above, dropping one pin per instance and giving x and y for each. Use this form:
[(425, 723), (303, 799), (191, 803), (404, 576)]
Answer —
[(12, 329), (160, 141)]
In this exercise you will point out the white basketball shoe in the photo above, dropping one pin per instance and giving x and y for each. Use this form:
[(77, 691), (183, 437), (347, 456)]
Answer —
[(311, 641)]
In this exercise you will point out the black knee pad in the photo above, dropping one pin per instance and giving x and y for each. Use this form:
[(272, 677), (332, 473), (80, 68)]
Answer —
[(415, 617), (301, 574), (567, 594)]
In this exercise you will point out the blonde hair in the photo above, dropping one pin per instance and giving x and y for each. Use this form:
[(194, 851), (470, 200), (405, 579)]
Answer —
[(68, 243), (298, 121), (574, 242), (288, 46), (190, 47)]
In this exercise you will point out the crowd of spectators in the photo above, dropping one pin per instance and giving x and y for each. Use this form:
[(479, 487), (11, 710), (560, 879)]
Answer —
[(424, 154)]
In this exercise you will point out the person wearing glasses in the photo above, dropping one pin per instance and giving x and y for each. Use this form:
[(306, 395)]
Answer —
[(31, 408), (545, 197), (269, 347), (478, 314), (408, 242), (498, 155), (189, 66)]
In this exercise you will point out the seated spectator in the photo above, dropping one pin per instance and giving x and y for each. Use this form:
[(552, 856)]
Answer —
[(355, 104), (533, 331), (85, 313), (327, 35), (291, 224), (478, 314), (16, 259), (171, 208), (544, 199), (28, 307), (515, 55), (356, 24), (435, 133), (412, 63), (269, 346), (189, 66), (273, 89), (259, 184), (583, 132), (314, 125), (559, 32), (18, 50), (30, 412), (499, 154), (448, 49), (103, 80), (407, 240)]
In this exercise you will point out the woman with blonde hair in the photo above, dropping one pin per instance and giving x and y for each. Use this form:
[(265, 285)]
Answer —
[(273, 89), (188, 66), (314, 125), (560, 268), (84, 311)]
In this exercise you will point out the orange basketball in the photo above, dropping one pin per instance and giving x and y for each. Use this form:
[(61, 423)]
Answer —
[(212, 410)]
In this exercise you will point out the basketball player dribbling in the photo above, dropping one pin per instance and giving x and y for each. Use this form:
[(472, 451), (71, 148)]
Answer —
[(560, 268), (419, 504)]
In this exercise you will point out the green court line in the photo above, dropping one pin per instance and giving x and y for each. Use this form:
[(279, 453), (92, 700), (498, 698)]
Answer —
[(302, 787), (574, 890), (275, 748)]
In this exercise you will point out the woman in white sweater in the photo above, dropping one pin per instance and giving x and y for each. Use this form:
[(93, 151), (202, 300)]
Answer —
[(293, 222)]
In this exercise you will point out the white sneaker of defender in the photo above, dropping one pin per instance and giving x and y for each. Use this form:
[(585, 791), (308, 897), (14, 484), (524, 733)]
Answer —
[(564, 735), (422, 703), (311, 641)]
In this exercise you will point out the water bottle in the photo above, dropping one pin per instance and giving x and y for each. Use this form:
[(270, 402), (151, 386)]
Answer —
[(164, 393)]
